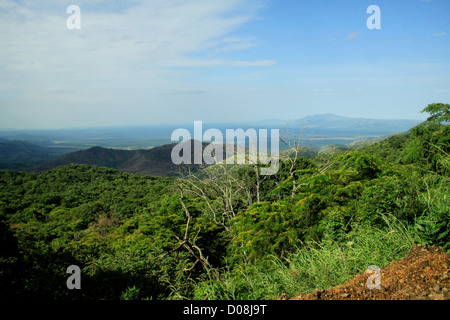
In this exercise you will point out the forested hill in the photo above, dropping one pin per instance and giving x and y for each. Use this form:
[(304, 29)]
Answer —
[(20, 155), (226, 232), (156, 161), (119, 147)]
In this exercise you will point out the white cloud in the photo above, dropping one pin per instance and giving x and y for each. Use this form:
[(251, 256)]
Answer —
[(353, 35), (123, 56), (440, 34), (155, 34)]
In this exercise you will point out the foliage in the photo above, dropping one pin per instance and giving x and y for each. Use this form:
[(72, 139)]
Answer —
[(314, 265), (434, 224), (226, 232), (439, 113), (430, 146)]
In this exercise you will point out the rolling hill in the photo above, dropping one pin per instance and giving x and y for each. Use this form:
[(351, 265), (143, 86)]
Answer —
[(156, 161), (126, 149), (22, 155)]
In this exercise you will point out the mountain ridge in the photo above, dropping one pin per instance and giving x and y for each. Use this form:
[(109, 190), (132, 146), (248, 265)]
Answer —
[(43, 152), (156, 161)]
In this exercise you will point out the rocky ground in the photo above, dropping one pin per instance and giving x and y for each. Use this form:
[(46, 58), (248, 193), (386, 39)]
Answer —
[(423, 274)]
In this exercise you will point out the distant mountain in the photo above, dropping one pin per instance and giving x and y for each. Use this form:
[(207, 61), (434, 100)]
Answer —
[(50, 149), (103, 157), (18, 155), (327, 124), (156, 161)]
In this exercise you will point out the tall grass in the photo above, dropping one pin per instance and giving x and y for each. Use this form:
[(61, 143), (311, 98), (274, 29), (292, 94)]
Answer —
[(315, 265), (433, 225), (325, 264), (319, 265)]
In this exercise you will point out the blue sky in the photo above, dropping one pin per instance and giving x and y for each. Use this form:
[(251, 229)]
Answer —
[(155, 62)]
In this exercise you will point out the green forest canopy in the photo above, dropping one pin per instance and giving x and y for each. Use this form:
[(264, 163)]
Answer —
[(225, 232)]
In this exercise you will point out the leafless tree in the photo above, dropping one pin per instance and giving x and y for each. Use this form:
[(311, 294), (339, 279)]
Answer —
[(221, 192), (294, 143), (188, 242)]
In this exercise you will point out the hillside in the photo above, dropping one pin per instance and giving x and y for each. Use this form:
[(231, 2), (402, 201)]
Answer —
[(103, 157), (319, 130), (17, 155), (423, 274), (155, 161), (229, 233)]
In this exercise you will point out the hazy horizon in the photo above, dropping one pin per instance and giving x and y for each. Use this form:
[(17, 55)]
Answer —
[(209, 124), (141, 63)]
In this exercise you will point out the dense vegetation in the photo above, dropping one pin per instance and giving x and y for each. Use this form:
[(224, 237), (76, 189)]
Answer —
[(226, 232)]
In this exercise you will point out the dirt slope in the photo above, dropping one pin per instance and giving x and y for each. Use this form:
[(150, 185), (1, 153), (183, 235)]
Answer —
[(423, 274)]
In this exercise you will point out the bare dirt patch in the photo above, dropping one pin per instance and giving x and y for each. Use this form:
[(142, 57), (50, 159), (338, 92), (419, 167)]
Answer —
[(423, 274)]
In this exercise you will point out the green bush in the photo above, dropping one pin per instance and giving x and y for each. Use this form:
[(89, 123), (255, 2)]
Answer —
[(315, 265)]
